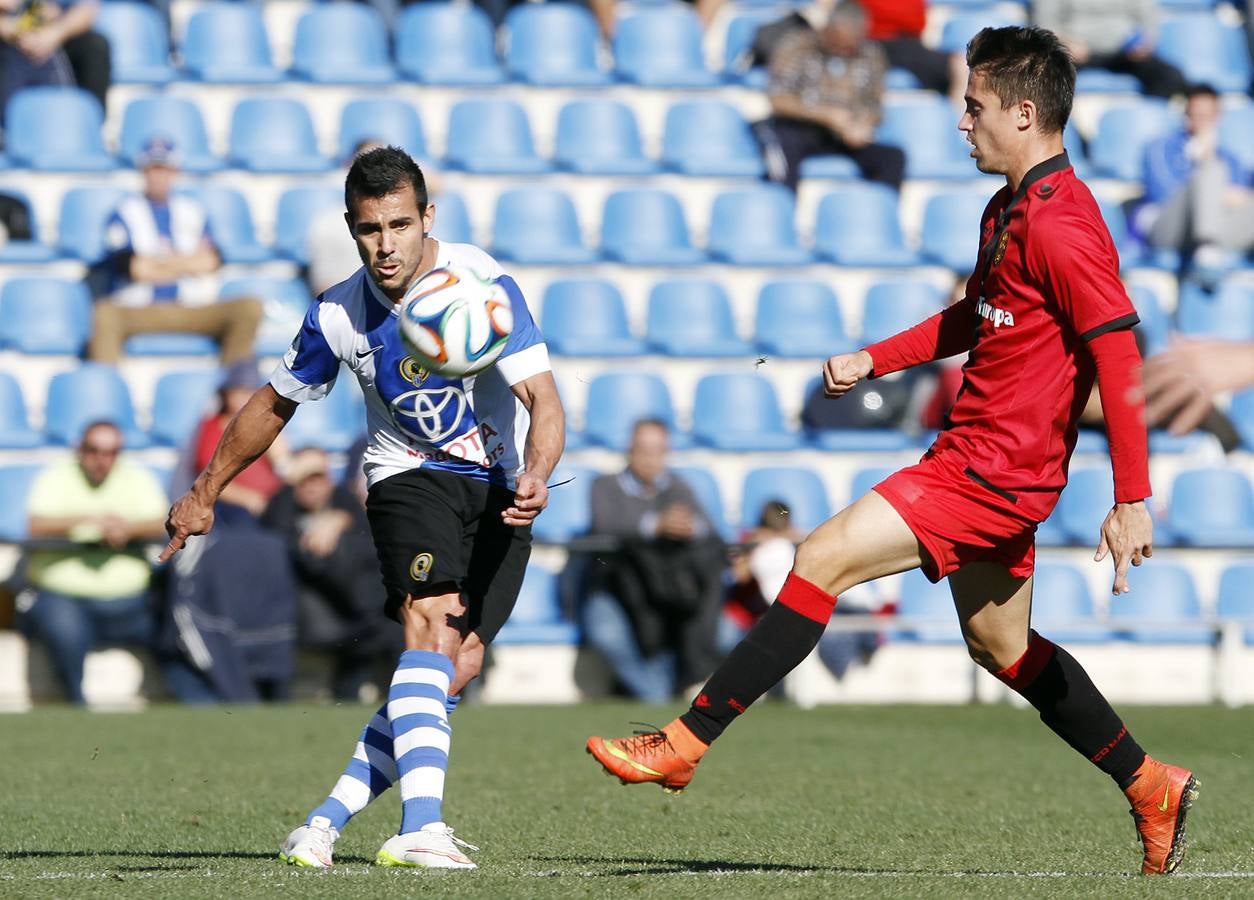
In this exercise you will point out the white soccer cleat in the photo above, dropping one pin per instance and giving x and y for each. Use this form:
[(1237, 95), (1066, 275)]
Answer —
[(310, 846), (434, 847)]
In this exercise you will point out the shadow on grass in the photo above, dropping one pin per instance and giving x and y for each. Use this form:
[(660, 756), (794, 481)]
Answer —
[(634, 866), (157, 854)]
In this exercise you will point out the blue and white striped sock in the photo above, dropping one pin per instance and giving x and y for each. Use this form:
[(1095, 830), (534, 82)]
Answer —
[(369, 773), (420, 734)]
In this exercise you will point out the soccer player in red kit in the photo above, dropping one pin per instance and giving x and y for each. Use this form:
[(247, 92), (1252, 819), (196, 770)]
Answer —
[(1044, 314)]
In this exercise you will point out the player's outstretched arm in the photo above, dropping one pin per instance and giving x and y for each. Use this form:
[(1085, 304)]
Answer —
[(546, 439), (248, 435), (841, 373)]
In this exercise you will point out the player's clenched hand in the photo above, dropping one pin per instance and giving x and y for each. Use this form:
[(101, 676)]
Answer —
[(1128, 536), (841, 373), (531, 496), (189, 515)]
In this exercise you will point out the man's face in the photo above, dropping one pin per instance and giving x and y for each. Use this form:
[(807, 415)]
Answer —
[(158, 182), (98, 451), (391, 238), (843, 37), (313, 490), (646, 458), (1201, 113), (994, 133)]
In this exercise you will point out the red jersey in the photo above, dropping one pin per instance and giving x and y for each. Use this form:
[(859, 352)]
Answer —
[(1046, 284), (258, 476), (895, 18)]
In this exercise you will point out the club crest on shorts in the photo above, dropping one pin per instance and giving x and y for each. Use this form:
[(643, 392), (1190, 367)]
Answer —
[(420, 568)]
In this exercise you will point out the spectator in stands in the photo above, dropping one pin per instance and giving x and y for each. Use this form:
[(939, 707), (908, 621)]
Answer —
[(339, 600), (15, 219), (825, 90), (897, 25), (45, 43), (1197, 194), (1116, 35), (161, 255), (1182, 382), (758, 569), (245, 499), (95, 589), (654, 604), (606, 11)]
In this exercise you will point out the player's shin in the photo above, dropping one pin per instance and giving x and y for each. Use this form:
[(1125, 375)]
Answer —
[(785, 635), (1051, 679), (416, 709), (369, 773)]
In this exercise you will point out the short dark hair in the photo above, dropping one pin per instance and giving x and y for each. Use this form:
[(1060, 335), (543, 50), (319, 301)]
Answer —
[(1201, 89), (382, 171), (651, 422), (1026, 63)]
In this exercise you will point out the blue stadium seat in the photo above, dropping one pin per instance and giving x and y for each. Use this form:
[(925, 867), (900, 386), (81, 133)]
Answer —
[(87, 394), (830, 167), (15, 484), (586, 317), (44, 315), (1206, 50), (447, 43), (384, 119), (740, 412), (175, 118), (951, 228), (865, 479), (84, 212), (644, 227), (285, 300), (342, 43), (553, 45), (959, 29), (754, 227), (298, 206), (1242, 414), (799, 319), (1162, 607), (332, 423), (1123, 131), (857, 225), (710, 137), (692, 318), (1227, 313), (569, 512), (705, 486), (15, 430), (1103, 81), (20, 250), (180, 400), (274, 134), (538, 226), (230, 223), (1212, 508), (139, 47), (227, 43), (599, 137), (1060, 601), (1236, 133), (927, 130), (492, 137), (737, 43), (1236, 596), (537, 615), (1084, 503), (56, 129), (1129, 248), (928, 610), (893, 306), (1155, 325), (452, 219), (800, 489), (618, 400), (1050, 533), (660, 47)]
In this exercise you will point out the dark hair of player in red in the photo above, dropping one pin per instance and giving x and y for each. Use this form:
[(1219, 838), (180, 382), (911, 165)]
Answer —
[(1026, 63), (381, 171)]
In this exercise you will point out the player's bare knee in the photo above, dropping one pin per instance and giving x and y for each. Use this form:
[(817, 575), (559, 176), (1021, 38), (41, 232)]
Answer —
[(981, 654), (434, 623)]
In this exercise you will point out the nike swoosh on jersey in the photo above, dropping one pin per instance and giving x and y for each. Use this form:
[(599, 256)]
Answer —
[(370, 352)]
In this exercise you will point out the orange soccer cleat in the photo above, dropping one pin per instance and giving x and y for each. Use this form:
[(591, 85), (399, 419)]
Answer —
[(668, 757), (1161, 796)]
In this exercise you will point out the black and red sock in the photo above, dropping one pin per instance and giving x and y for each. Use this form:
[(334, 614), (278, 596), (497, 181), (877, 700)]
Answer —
[(1049, 678), (785, 635)]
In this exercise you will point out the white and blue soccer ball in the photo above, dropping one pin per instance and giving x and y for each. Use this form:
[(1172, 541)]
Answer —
[(454, 322)]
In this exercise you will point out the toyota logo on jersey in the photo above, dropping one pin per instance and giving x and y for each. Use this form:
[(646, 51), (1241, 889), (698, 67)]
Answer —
[(431, 414)]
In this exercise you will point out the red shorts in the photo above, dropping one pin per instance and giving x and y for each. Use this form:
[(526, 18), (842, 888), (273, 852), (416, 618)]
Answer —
[(959, 518)]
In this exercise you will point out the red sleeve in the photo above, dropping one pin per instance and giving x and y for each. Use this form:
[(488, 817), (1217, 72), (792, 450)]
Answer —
[(948, 333), (1072, 256), (1123, 405)]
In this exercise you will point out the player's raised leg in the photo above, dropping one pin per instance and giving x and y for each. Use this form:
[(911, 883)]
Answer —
[(993, 608), (867, 540)]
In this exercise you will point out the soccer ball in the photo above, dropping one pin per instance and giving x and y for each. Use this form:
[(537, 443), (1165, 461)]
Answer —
[(455, 322)]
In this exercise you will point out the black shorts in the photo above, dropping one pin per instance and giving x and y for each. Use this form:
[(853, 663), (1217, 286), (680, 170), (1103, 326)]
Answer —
[(438, 531)]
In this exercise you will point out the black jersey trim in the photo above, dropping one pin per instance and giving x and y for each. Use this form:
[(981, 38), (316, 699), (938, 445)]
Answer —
[(1113, 325), (985, 483)]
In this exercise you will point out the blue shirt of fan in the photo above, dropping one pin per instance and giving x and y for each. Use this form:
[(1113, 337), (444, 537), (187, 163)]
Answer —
[(121, 258)]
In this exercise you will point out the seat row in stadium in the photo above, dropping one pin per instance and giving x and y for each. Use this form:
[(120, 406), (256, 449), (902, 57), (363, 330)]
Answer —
[(552, 44)]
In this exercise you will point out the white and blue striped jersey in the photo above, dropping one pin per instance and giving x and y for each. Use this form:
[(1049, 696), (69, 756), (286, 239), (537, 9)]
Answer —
[(473, 426)]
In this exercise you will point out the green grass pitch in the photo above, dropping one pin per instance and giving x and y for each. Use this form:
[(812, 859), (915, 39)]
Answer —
[(833, 802)]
